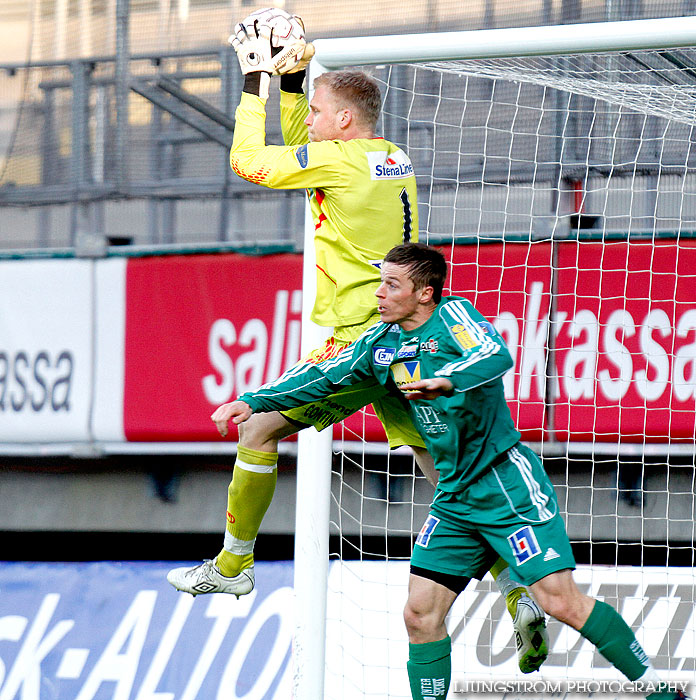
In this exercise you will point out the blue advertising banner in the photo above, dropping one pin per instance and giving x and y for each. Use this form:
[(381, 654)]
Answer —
[(119, 631)]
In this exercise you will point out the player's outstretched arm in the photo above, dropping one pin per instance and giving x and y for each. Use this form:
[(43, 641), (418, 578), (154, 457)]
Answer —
[(235, 411), (427, 389)]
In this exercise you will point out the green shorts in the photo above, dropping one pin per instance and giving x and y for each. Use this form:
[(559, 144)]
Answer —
[(510, 512), (333, 409)]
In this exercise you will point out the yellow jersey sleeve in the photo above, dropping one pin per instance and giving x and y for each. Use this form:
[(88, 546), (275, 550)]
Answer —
[(294, 109), (362, 195), (277, 167)]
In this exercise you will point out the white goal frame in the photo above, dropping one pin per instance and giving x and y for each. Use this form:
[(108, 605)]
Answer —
[(314, 449)]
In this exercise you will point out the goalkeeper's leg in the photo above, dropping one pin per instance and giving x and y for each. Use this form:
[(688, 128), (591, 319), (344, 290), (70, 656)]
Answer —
[(528, 618), (252, 487), (248, 497)]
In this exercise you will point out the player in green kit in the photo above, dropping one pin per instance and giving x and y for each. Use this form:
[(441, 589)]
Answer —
[(362, 195), (493, 498)]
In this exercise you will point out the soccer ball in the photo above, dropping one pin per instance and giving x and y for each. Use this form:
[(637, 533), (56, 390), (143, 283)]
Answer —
[(286, 29)]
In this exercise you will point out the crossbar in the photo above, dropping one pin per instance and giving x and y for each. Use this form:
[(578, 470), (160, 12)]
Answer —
[(595, 37)]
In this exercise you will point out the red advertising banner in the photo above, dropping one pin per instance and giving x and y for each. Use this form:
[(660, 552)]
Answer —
[(626, 342), (611, 357), (199, 331)]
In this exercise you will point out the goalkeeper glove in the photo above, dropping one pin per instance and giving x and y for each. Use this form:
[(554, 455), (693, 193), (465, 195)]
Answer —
[(302, 61), (267, 43), (292, 80)]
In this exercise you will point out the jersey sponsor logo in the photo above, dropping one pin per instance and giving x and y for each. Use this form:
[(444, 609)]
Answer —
[(524, 545), (384, 356), (463, 336), (430, 346), (302, 156), (406, 372), (389, 166), (431, 522), (407, 351), (429, 420)]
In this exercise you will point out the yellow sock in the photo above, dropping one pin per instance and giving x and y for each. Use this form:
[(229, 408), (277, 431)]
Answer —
[(499, 566), (511, 589), (511, 600), (249, 494), (231, 564)]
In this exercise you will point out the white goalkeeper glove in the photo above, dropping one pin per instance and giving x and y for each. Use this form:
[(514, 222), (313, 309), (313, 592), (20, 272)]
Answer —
[(270, 41), (302, 61)]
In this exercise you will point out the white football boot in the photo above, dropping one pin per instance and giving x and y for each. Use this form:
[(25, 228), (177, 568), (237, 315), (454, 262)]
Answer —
[(531, 636), (206, 578)]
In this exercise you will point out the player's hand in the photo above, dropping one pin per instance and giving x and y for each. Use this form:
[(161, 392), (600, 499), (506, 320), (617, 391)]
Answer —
[(235, 411), (427, 389)]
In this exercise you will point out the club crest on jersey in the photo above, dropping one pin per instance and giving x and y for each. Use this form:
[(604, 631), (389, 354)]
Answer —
[(302, 156), (463, 336), (389, 166), (524, 545), (406, 372), (384, 356), (430, 346)]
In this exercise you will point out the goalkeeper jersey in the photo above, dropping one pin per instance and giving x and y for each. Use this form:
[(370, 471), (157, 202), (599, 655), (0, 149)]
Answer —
[(362, 196), (464, 432)]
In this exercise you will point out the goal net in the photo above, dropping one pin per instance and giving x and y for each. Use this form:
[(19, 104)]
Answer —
[(561, 190)]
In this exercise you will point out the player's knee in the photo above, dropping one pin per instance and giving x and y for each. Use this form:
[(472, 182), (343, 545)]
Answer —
[(412, 619), (263, 431), (419, 622), (254, 433)]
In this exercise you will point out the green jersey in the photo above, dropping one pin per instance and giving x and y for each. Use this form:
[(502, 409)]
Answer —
[(464, 432)]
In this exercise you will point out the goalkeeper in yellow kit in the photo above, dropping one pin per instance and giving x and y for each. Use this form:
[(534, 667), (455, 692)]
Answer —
[(362, 195)]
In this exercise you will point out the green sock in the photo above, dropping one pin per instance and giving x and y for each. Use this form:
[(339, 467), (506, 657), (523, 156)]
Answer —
[(615, 641), (430, 669), (249, 494)]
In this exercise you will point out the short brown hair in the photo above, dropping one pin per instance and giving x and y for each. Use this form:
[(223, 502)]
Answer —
[(358, 90), (427, 266)]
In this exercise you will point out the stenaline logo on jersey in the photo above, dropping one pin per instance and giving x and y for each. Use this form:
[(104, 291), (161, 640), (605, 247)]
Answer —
[(389, 166), (394, 171)]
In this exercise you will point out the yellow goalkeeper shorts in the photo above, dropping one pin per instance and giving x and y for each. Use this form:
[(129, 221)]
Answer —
[(333, 409)]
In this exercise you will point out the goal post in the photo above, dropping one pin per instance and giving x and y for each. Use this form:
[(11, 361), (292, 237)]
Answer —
[(553, 166), (596, 37)]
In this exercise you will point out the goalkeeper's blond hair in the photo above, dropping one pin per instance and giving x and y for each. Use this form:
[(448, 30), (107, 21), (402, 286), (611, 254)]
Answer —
[(358, 90)]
